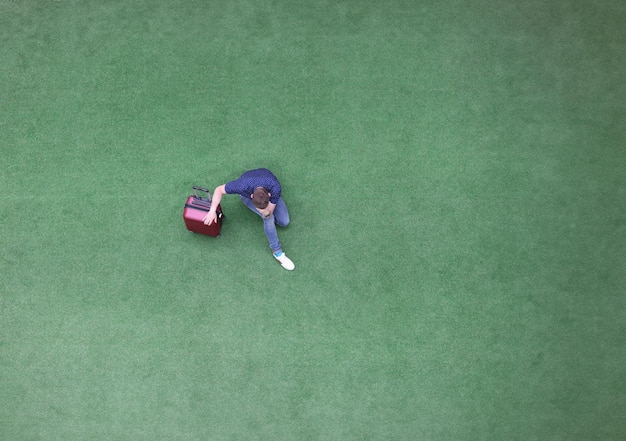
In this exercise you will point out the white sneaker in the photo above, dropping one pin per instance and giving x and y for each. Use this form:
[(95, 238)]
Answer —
[(285, 261)]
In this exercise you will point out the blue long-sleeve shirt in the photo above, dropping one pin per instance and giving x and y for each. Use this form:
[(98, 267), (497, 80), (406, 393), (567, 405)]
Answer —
[(260, 177)]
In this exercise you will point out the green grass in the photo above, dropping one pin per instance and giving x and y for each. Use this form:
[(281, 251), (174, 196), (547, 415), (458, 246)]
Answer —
[(455, 177)]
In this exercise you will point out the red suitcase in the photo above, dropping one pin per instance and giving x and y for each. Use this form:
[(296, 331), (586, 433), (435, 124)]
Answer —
[(196, 208)]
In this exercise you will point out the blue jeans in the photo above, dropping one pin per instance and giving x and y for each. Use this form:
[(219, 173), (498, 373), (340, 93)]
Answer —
[(280, 217)]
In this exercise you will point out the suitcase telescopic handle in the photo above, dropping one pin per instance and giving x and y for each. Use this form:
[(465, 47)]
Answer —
[(196, 189)]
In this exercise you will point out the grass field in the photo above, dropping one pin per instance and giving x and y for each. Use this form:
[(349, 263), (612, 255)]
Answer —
[(455, 177)]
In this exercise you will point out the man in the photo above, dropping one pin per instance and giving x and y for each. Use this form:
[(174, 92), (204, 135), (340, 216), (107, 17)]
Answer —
[(260, 190)]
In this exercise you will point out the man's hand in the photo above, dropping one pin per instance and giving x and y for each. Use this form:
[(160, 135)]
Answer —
[(210, 218), (267, 211)]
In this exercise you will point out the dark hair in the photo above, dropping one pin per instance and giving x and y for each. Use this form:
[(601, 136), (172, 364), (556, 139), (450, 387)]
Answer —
[(260, 197)]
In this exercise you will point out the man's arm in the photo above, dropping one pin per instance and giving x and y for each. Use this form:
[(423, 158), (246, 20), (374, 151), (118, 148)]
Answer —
[(215, 201)]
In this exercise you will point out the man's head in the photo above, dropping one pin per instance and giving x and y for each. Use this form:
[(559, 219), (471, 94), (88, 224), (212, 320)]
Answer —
[(260, 198)]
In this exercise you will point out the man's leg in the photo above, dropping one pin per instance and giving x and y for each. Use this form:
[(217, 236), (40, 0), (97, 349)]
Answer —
[(281, 214), (280, 217)]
